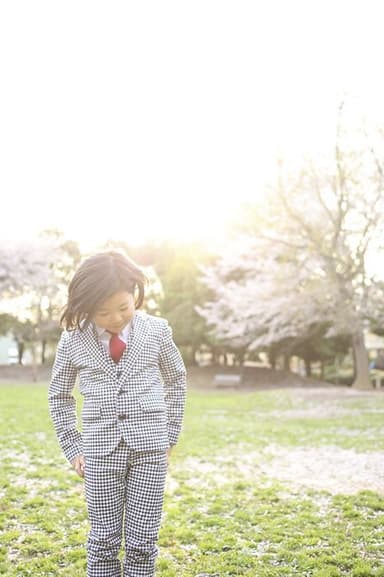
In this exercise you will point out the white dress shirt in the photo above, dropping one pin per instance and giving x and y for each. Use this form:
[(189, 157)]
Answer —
[(105, 335)]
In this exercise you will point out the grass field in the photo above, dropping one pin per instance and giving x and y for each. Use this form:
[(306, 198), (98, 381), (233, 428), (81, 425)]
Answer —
[(285, 482)]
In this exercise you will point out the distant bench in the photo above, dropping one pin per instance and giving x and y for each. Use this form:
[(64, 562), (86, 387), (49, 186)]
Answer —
[(227, 381)]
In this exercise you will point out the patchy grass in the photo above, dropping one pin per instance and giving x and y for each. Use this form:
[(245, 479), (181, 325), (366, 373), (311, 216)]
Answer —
[(268, 484)]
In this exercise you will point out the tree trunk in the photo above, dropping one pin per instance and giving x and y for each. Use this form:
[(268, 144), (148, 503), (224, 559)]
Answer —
[(337, 367), (287, 362), (215, 356), (239, 358), (43, 349), (272, 360), (361, 380), (34, 362), (308, 368), (20, 351)]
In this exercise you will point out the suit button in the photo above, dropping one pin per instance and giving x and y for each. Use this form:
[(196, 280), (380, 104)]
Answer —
[(119, 374), (122, 417)]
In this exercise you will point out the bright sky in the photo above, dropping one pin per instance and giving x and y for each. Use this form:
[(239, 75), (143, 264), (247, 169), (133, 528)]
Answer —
[(137, 120)]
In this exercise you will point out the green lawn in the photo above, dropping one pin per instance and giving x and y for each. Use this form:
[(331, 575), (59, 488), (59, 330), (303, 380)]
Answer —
[(262, 484)]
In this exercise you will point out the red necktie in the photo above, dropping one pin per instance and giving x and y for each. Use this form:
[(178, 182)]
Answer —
[(116, 347)]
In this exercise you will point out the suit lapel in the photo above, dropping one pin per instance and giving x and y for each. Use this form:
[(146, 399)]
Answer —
[(95, 355), (95, 352), (139, 334)]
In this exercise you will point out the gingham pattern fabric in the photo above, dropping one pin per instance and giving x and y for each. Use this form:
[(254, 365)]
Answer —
[(141, 398), (124, 491)]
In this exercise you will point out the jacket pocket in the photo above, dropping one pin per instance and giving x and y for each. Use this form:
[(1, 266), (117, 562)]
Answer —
[(152, 403)]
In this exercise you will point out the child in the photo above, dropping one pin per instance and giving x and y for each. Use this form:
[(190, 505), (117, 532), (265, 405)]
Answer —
[(133, 381)]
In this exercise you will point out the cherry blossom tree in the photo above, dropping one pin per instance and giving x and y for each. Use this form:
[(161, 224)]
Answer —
[(23, 266), (307, 263), (33, 279), (265, 293)]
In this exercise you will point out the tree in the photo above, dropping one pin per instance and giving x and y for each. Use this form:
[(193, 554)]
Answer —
[(305, 264), (266, 297), (33, 280), (336, 217), (24, 266), (178, 270)]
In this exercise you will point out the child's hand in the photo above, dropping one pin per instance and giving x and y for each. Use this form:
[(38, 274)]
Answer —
[(78, 464)]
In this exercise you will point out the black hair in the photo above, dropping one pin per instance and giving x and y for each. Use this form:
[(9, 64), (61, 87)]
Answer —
[(98, 278)]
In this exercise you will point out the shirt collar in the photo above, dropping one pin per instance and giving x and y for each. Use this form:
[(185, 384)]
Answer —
[(102, 333)]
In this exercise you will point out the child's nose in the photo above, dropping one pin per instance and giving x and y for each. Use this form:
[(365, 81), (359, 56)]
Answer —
[(117, 317)]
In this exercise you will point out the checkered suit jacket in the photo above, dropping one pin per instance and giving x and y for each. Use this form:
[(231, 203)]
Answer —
[(140, 399)]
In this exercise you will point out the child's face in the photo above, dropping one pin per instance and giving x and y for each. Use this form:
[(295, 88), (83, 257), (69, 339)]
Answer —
[(115, 312)]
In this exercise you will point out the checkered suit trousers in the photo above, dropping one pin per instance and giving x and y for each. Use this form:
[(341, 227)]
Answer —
[(124, 493)]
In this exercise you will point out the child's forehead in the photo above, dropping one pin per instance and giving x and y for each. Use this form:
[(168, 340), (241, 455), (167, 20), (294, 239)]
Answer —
[(116, 299)]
